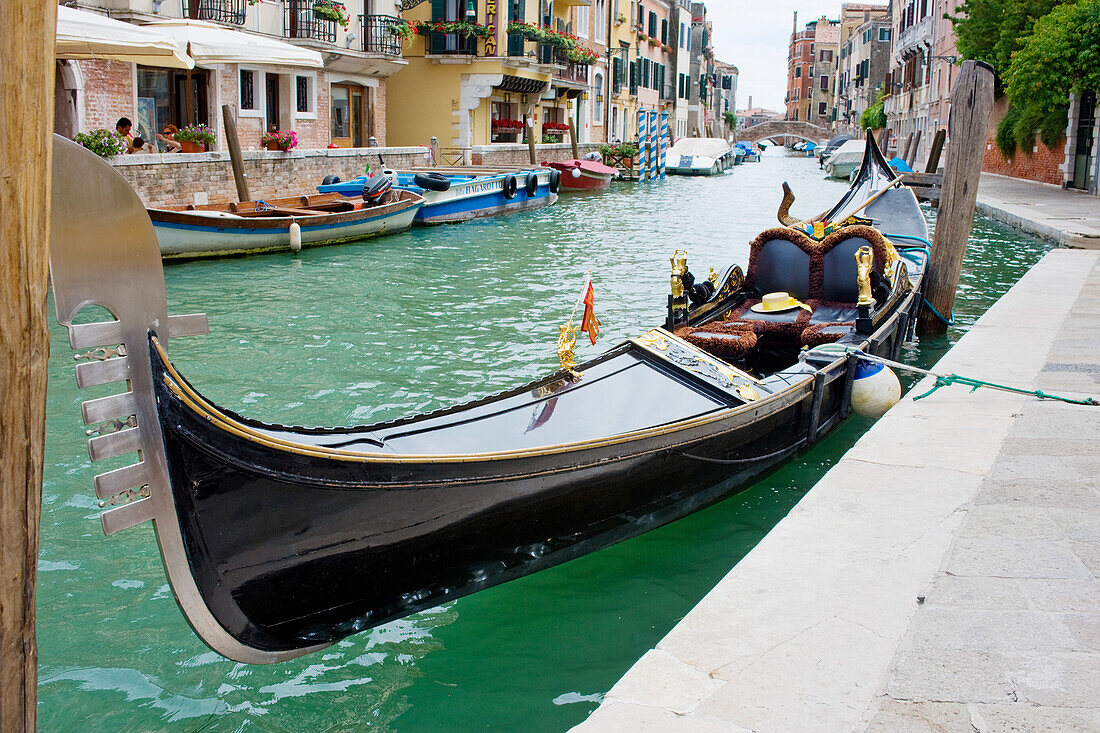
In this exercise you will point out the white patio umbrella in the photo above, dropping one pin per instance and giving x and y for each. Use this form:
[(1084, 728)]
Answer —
[(211, 44), (84, 35)]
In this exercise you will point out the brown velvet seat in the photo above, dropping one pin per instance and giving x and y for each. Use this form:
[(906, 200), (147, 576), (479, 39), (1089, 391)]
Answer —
[(821, 274)]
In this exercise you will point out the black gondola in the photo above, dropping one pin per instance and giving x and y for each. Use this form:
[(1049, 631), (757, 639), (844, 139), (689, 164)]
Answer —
[(279, 540)]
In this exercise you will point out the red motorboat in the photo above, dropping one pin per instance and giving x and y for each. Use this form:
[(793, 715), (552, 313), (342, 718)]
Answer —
[(583, 175)]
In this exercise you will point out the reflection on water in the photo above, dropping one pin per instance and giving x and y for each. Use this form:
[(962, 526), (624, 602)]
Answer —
[(358, 333)]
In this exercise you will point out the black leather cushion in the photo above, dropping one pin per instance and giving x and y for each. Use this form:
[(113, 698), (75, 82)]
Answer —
[(782, 267), (833, 313), (840, 271)]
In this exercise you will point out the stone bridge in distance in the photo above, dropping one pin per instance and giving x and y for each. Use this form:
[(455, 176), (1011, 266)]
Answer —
[(782, 128)]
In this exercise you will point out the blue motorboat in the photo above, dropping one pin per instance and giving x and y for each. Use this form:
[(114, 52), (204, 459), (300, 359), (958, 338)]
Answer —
[(749, 153), (454, 195)]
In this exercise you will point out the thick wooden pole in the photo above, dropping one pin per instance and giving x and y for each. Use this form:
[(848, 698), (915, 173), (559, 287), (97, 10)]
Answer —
[(911, 159), (530, 139), (937, 149), (573, 138), (904, 154), (971, 103), (26, 78), (239, 176)]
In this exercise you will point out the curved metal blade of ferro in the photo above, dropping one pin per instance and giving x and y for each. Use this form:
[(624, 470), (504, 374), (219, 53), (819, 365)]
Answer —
[(104, 251)]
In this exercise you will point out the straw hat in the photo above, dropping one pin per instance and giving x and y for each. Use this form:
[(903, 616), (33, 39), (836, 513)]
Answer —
[(778, 302)]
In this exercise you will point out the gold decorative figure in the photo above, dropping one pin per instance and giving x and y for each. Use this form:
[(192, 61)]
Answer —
[(567, 343), (679, 269), (865, 260)]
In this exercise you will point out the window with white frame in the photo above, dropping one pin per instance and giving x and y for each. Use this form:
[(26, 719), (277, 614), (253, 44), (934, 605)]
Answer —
[(581, 25), (597, 108), (305, 96), (599, 27), (250, 93)]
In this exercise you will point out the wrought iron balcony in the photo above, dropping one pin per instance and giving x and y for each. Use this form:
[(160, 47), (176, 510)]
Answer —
[(378, 35), (299, 21), (571, 71), (219, 11)]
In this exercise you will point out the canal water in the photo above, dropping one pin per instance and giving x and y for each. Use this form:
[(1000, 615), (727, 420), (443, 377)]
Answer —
[(375, 330)]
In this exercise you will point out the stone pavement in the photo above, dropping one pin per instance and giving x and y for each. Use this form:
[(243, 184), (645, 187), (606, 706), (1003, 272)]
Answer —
[(1009, 636), (943, 576), (1066, 216)]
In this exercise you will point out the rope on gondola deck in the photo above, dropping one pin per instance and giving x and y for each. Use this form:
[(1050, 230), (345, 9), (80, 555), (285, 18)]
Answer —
[(943, 380)]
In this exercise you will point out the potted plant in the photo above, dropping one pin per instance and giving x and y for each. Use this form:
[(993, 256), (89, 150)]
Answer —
[(104, 143), (331, 10), (653, 41), (627, 151), (402, 30), (195, 138), (582, 55), (280, 140)]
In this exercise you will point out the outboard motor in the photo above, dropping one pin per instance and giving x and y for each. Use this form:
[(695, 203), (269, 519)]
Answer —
[(377, 190)]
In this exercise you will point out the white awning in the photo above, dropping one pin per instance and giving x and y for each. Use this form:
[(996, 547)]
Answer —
[(212, 44), (84, 35)]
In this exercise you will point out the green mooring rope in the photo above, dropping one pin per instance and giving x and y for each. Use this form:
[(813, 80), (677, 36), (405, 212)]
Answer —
[(974, 384), (943, 380)]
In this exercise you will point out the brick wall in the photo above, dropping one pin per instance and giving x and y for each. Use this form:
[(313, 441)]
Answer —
[(517, 154), (1041, 163), (173, 179), (108, 93), (314, 133), (378, 111)]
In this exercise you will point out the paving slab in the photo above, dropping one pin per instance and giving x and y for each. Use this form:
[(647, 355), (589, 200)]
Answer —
[(1066, 216), (932, 594)]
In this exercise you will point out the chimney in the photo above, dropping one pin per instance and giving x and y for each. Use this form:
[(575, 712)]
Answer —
[(794, 27), (750, 101)]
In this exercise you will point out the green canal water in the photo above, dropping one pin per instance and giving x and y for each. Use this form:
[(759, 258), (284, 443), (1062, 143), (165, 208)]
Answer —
[(369, 331)]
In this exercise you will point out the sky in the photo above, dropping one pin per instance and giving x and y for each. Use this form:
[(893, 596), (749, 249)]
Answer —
[(754, 38)]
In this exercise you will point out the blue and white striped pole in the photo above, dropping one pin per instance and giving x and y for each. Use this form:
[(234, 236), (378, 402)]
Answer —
[(639, 157), (653, 145), (663, 142)]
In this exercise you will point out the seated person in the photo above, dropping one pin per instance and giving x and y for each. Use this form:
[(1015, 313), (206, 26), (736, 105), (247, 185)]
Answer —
[(122, 127), (140, 146), (168, 137)]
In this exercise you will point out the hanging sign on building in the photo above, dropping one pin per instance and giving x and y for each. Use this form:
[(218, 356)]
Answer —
[(491, 23)]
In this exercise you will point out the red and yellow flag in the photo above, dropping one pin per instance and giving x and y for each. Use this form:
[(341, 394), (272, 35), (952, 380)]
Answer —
[(589, 323)]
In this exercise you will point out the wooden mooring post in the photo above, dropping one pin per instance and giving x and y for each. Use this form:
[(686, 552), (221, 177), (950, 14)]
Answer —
[(971, 103), (911, 158), (934, 154), (235, 160), (26, 78), (530, 139), (573, 138)]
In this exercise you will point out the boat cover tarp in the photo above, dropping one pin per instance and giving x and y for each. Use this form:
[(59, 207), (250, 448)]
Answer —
[(212, 44), (710, 147), (85, 35)]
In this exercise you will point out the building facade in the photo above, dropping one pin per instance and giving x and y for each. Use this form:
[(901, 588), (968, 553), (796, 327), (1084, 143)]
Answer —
[(800, 56), (725, 97), (864, 60), (907, 106), (821, 109), (343, 103)]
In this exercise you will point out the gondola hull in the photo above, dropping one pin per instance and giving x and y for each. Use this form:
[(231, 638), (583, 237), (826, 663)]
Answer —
[(279, 540)]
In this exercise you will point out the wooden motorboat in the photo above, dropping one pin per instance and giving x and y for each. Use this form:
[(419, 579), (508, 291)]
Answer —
[(583, 175), (700, 156), (279, 540), (264, 226), (453, 195)]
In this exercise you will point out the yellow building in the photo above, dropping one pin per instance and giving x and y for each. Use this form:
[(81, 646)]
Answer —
[(642, 65), (468, 90)]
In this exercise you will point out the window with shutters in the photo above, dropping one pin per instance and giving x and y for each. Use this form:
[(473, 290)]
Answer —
[(652, 24), (633, 78), (616, 74), (664, 30), (824, 82)]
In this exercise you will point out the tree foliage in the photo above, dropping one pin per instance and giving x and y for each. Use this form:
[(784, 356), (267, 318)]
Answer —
[(874, 117), (1042, 50)]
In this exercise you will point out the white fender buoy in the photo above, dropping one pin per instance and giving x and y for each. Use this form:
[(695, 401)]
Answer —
[(875, 389), (576, 173), (295, 237)]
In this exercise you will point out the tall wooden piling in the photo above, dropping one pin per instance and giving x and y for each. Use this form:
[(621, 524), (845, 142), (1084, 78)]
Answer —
[(971, 103), (239, 176), (573, 137), (904, 153), (26, 75), (530, 139), (911, 158), (934, 154)]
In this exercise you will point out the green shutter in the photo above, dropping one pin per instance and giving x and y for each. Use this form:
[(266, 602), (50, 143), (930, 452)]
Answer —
[(439, 12)]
